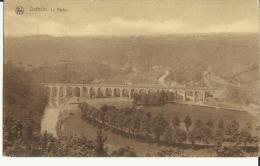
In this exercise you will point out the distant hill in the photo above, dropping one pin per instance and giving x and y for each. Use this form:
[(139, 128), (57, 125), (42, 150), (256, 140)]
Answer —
[(227, 54), (231, 57)]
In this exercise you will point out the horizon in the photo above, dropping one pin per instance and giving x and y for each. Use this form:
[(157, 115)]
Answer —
[(136, 36)]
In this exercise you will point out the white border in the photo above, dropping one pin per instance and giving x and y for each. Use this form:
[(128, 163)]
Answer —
[(152, 161)]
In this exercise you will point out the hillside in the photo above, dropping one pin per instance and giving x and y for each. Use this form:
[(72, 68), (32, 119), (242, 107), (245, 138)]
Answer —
[(232, 59), (183, 53)]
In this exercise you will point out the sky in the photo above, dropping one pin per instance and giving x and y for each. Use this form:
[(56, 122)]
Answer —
[(130, 17)]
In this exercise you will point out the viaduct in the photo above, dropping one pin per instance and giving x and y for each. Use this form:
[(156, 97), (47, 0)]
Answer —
[(63, 90)]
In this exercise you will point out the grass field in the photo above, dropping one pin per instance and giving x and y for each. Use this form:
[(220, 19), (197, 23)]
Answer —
[(116, 101), (203, 113), (73, 125)]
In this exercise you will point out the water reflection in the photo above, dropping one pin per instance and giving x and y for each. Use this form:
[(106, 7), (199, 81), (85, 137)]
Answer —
[(50, 117)]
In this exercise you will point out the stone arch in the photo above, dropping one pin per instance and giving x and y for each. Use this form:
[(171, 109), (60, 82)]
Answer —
[(208, 95), (69, 91), (141, 91), (125, 92), (100, 92), (85, 91), (54, 91), (171, 95), (108, 92), (116, 92), (132, 92), (159, 90), (189, 93), (179, 94), (47, 91), (149, 91), (92, 92), (76, 91), (61, 92), (198, 95)]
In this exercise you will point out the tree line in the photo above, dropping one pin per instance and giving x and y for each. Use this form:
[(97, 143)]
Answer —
[(141, 125), (24, 104), (152, 98), (23, 107), (45, 145)]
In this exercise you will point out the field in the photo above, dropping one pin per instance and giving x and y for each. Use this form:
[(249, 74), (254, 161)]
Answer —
[(73, 125), (117, 101), (204, 113)]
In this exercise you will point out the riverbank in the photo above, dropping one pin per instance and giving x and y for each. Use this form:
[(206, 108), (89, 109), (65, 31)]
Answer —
[(251, 109)]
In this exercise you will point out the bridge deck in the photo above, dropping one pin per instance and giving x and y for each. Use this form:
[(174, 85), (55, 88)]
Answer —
[(139, 86)]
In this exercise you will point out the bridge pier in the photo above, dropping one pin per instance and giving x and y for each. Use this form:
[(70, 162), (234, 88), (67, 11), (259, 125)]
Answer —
[(58, 92), (184, 96), (50, 91), (80, 91), (203, 96), (88, 93), (194, 96), (64, 91), (121, 92), (113, 92)]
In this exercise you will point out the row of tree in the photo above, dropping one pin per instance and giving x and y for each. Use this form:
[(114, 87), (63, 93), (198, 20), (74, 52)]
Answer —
[(141, 125), (152, 98)]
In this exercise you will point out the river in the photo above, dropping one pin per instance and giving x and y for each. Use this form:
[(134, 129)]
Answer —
[(50, 118), (52, 112)]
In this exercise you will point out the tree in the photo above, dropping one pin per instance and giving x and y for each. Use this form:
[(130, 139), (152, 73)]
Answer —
[(176, 122), (200, 132), (152, 98), (24, 101), (125, 151), (136, 99), (232, 131), (145, 99), (159, 124), (179, 135), (187, 122), (245, 135), (146, 125), (167, 135), (198, 124), (134, 124), (229, 152), (170, 153), (100, 151), (220, 124), (104, 108), (219, 136), (249, 126), (162, 99), (28, 132), (210, 123)]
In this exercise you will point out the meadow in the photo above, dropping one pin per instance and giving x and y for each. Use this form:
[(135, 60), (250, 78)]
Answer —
[(74, 125)]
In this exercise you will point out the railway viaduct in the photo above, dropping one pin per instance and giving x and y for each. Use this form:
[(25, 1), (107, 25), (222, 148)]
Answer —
[(62, 90)]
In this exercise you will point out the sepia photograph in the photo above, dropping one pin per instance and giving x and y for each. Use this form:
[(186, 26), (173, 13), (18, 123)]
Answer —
[(131, 78)]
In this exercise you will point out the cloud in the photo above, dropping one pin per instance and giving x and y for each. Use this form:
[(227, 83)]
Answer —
[(117, 26), (238, 26)]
